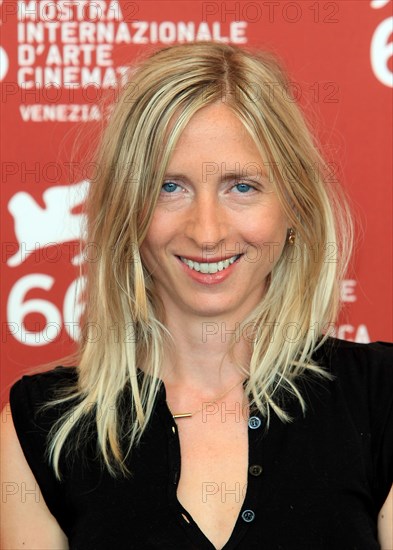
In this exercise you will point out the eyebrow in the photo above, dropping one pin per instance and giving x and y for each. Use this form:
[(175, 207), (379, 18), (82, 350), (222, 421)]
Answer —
[(258, 177)]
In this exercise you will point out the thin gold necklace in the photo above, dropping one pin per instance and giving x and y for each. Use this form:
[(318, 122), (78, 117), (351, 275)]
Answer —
[(190, 414)]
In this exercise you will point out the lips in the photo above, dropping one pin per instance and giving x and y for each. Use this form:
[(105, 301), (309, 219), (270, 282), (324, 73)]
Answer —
[(210, 267), (213, 277), (204, 259)]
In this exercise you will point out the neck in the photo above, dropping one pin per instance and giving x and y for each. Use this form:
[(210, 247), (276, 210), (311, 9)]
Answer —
[(200, 358)]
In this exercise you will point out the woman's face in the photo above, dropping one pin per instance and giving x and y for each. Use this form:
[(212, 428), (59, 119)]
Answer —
[(216, 204)]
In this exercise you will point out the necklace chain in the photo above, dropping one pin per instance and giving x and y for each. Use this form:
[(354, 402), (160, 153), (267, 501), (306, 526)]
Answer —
[(190, 414)]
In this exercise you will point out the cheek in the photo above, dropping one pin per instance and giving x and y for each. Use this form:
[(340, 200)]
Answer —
[(266, 237), (267, 228), (145, 255), (154, 241), (147, 249)]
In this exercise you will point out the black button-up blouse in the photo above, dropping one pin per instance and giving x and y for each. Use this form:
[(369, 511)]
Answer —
[(316, 483)]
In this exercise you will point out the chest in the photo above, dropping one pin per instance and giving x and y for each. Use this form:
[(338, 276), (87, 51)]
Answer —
[(213, 475)]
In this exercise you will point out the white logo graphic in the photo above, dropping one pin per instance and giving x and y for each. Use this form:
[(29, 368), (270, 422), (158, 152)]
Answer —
[(381, 51), (37, 227), (381, 47), (376, 4), (3, 63)]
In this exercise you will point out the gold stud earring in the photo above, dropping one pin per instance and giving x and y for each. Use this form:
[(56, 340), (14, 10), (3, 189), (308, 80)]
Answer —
[(291, 236)]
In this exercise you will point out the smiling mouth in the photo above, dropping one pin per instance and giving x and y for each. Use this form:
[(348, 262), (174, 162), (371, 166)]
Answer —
[(210, 267)]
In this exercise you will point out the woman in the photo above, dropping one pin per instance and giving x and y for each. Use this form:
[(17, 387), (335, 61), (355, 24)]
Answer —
[(213, 411)]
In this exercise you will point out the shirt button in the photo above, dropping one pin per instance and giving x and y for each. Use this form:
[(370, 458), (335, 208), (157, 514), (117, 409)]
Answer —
[(248, 515), (254, 422), (255, 470)]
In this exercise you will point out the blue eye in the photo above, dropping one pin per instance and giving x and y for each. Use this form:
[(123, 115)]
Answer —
[(169, 186), (243, 187)]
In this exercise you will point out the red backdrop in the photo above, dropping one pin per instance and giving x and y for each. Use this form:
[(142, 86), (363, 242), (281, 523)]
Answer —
[(57, 61)]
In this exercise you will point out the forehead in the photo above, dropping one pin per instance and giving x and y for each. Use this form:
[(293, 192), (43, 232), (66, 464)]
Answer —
[(211, 120), (215, 134)]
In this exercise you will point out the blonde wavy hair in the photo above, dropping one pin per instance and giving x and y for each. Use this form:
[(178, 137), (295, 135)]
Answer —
[(161, 95)]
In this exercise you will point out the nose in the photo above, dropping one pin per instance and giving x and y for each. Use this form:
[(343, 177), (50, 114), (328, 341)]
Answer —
[(207, 222)]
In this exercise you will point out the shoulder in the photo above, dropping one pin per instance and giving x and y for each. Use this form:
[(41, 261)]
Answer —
[(364, 372), (28, 396), (343, 358), (31, 391), (34, 411), (336, 349), (45, 380), (362, 384), (363, 380)]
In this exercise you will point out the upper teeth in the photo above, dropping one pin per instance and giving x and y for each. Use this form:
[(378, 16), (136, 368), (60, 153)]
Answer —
[(210, 267)]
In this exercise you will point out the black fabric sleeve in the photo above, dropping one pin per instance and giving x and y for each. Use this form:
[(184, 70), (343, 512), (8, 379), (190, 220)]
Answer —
[(32, 427), (380, 393), (365, 374)]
